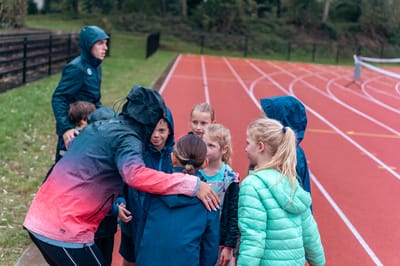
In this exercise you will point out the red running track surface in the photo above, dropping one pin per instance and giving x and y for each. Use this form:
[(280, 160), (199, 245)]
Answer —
[(351, 143)]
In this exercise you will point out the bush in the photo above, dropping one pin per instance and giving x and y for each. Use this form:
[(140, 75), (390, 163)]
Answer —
[(12, 13)]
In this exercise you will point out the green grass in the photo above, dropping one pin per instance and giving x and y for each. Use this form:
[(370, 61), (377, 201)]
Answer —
[(27, 126)]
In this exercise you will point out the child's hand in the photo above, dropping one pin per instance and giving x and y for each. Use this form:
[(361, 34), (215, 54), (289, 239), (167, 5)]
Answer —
[(69, 135), (225, 256), (123, 213)]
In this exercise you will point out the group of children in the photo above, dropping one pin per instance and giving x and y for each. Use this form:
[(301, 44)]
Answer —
[(101, 177), (271, 210)]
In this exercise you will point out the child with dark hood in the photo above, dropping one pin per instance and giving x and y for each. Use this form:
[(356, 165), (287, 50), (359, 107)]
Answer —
[(291, 113), (157, 155)]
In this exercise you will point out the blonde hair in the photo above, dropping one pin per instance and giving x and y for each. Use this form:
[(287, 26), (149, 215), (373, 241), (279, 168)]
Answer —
[(280, 141), (222, 135), (204, 108), (191, 152)]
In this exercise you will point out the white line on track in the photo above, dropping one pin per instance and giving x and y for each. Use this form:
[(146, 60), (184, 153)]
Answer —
[(356, 111), (205, 81), (167, 79), (346, 221), (331, 125), (341, 214)]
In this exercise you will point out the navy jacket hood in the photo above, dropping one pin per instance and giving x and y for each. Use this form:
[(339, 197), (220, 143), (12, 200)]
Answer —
[(289, 111), (144, 106), (169, 144), (88, 36)]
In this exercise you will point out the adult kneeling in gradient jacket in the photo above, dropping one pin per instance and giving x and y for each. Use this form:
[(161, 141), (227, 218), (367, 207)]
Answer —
[(82, 186)]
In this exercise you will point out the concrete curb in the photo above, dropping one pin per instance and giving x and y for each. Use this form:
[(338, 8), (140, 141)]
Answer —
[(31, 257)]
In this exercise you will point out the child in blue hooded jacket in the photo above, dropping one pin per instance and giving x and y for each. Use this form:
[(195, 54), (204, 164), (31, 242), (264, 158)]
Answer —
[(177, 230), (291, 113), (157, 155)]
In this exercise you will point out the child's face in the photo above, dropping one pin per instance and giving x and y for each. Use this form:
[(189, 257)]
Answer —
[(214, 150), (99, 49), (199, 122), (160, 135), (251, 150)]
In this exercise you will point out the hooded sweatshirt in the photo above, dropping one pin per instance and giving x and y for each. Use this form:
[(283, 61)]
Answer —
[(80, 80), (276, 224), (82, 186), (291, 113)]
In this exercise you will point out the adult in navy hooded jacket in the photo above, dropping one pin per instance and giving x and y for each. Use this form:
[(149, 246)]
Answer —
[(80, 190), (291, 113), (155, 159), (80, 80)]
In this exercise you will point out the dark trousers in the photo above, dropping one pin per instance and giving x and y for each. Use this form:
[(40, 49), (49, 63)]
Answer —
[(106, 246), (61, 149), (59, 256)]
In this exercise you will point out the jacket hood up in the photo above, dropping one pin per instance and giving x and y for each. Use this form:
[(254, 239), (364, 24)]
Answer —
[(88, 36), (289, 111), (144, 106), (281, 190), (169, 144)]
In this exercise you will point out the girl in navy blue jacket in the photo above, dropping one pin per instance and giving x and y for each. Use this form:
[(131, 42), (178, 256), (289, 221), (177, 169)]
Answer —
[(178, 230)]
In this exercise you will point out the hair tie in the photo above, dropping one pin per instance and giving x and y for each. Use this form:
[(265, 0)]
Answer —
[(190, 161), (284, 130)]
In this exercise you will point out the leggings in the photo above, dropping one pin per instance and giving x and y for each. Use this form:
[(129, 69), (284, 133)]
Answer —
[(60, 256)]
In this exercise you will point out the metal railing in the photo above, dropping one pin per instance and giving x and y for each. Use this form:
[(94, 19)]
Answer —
[(28, 57)]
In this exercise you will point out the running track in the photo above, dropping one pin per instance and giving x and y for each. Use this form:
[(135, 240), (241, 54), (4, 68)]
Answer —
[(352, 141)]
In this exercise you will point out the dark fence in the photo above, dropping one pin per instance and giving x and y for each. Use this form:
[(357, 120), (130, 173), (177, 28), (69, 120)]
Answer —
[(274, 48), (26, 57), (153, 42)]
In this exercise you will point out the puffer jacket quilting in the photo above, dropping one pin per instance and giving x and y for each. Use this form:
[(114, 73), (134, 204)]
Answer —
[(276, 228)]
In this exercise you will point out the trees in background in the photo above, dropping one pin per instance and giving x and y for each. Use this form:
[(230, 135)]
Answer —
[(377, 18), (12, 13)]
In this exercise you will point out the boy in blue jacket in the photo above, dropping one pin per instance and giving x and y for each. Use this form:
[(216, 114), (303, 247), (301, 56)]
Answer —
[(157, 155)]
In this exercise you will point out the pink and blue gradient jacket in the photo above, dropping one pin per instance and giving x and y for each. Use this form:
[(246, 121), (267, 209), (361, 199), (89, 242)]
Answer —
[(81, 188)]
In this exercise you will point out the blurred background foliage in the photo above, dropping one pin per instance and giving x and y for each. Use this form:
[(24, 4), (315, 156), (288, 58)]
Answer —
[(356, 21)]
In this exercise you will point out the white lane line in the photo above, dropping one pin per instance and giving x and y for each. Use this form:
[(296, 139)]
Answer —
[(205, 81), (341, 214), (166, 81), (356, 111), (347, 222)]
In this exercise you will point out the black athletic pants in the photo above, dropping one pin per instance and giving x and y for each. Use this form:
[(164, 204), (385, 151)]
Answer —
[(59, 256)]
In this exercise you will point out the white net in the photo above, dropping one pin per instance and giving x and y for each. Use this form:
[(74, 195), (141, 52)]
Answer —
[(361, 61)]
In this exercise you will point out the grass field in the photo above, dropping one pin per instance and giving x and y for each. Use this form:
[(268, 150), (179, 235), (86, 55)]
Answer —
[(27, 126)]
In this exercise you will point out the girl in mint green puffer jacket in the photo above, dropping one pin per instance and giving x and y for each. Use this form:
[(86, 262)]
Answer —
[(275, 221)]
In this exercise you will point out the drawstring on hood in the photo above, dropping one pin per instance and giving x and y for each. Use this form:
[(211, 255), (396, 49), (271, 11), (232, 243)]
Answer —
[(88, 36)]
